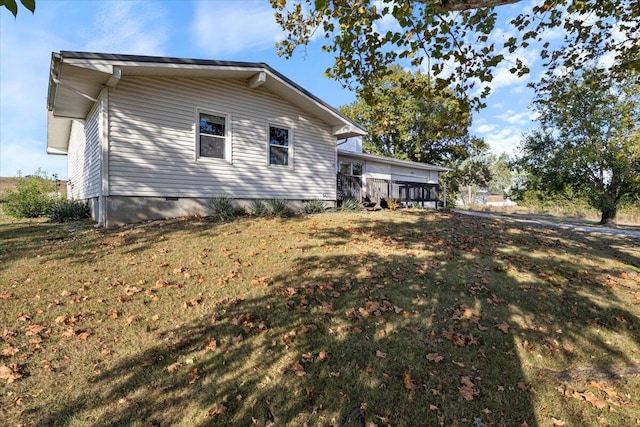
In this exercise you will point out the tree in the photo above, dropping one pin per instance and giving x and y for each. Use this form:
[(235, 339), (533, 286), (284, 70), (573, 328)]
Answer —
[(501, 173), (472, 173), (12, 6), (434, 34), (407, 121), (588, 143)]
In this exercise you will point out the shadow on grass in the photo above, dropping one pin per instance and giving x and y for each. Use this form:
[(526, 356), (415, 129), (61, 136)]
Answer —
[(416, 321)]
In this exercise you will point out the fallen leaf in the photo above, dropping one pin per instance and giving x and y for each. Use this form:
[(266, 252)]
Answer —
[(10, 373), (9, 350), (217, 409), (504, 327), (173, 367), (298, 370), (434, 357), (326, 308), (211, 345), (589, 397), (610, 392), (381, 354), (34, 329), (132, 290), (193, 375), (408, 382), (83, 335), (467, 390)]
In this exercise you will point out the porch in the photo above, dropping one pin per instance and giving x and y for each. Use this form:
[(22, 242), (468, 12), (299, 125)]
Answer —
[(379, 192)]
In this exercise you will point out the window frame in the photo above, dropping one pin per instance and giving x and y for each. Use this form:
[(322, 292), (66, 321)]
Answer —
[(227, 135), (289, 146)]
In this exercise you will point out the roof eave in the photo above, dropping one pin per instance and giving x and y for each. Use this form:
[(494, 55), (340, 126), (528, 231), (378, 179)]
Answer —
[(390, 160)]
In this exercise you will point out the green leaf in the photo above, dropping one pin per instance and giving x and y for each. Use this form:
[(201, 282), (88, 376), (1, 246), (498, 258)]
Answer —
[(11, 6), (29, 4)]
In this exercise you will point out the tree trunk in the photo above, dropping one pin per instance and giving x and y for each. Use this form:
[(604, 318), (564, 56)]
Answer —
[(608, 216)]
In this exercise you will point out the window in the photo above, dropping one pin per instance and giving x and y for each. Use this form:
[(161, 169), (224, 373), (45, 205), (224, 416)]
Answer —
[(279, 145), (212, 136), (351, 169)]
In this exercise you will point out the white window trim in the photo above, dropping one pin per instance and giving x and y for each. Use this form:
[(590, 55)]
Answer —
[(290, 146), (227, 135)]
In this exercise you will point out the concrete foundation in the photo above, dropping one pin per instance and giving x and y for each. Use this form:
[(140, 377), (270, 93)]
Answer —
[(120, 210)]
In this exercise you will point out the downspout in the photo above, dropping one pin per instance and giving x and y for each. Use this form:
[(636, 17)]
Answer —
[(113, 81)]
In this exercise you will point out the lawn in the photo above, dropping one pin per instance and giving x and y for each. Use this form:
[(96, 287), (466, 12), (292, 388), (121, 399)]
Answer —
[(340, 319)]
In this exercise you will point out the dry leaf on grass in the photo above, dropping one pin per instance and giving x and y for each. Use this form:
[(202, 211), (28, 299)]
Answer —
[(10, 373), (173, 367), (408, 382), (504, 327), (217, 409), (298, 370), (434, 357), (467, 390)]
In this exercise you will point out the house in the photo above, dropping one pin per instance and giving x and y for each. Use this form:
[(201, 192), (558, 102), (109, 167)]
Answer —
[(376, 180), (155, 137)]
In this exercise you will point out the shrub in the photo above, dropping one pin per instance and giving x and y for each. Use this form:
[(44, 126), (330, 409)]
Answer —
[(393, 205), (351, 205), (258, 208), (68, 210), (313, 206), (279, 208), (33, 198), (222, 207)]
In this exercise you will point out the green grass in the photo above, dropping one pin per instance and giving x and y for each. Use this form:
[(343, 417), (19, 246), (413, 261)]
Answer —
[(392, 318)]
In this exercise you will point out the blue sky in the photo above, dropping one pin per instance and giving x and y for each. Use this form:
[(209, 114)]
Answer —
[(215, 29)]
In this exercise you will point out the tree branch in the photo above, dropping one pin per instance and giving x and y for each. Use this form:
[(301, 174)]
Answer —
[(460, 5)]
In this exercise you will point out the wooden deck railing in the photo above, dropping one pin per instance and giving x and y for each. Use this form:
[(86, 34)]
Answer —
[(349, 187), (400, 191)]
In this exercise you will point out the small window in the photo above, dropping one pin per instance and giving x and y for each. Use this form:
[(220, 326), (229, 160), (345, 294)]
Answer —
[(279, 146), (212, 136)]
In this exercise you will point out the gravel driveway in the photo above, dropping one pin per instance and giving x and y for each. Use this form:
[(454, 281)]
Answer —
[(573, 227)]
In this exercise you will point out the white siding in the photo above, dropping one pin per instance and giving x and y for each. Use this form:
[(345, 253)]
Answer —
[(83, 157), (152, 142), (400, 173)]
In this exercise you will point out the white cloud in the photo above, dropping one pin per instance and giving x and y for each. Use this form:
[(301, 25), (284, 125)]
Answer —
[(128, 27), (221, 28), (506, 140), (388, 22), (484, 128), (523, 118)]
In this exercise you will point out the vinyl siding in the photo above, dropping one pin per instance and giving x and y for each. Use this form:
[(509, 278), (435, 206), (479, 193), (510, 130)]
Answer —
[(84, 157), (152, 142)]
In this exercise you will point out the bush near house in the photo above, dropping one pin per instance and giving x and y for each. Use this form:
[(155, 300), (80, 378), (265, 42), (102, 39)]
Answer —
[(68, 210), (32, 198)]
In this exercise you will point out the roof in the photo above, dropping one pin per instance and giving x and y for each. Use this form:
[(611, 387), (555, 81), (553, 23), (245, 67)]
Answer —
[(77, 78), (392, 161)]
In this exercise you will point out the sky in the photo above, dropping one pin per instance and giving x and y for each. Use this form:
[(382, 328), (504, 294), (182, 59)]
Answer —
[(235, 30)]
